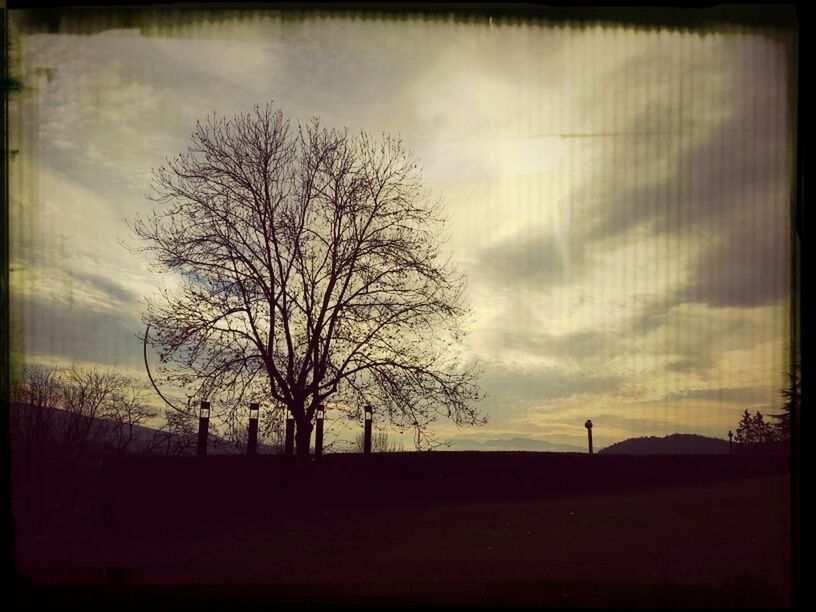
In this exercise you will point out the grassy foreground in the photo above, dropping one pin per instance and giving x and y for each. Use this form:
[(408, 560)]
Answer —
[(724, 543)]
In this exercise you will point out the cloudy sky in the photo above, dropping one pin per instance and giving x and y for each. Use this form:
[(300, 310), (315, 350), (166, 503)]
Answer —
[(618, 197)]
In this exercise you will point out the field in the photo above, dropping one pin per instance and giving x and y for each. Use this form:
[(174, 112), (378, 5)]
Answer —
[(442, 529)]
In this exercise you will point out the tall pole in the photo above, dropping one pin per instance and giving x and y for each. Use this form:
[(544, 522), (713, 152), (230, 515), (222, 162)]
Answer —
[(252, 438), (319, 431), (367, 430), (588, 426), (289, 444), (203, 428)]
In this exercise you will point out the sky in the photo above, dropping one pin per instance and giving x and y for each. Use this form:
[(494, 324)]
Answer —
[(618, 198)]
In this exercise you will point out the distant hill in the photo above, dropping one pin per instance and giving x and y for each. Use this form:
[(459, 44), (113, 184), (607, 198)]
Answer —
[(513, 444), (674, 444)]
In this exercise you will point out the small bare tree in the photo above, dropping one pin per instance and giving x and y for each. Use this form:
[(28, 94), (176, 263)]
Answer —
[(33, 437), (271, 428), (62, 423), (380, 443), (126, 411), (70, 411), (308, 267), (86, 394), (32, 417), (181, 432)]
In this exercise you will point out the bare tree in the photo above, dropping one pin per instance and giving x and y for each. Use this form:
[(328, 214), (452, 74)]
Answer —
[(32, 418), (87, 400), (271, 429), (70, 411), (338, 435), (33, 435), (308, 266), (125, 412), (380, 443), (181, 433), (62, 423)]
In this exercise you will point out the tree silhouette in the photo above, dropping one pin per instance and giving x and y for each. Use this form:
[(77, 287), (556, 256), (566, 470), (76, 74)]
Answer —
[(753, 429), (308, 269), (380, 443), (793, 404), (745, 429), (763, 431), (61, 423)]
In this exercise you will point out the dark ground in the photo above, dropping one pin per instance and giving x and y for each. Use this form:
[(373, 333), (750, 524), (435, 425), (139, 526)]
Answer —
[(715, 533)]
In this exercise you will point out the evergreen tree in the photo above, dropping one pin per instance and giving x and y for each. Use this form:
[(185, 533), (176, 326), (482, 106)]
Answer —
[(763, 431), (793, 404), (745, 430), (754, 429)]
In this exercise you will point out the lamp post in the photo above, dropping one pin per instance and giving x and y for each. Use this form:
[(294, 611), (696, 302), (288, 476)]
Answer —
[(289, 443), (369, 415), (203, 427), (321, 413), (252, 438), (588, 426)]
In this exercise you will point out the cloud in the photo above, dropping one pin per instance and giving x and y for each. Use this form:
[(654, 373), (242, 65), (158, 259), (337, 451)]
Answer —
[(581, 347), (707, 168), (67, 246), (742, 271), (535, 257), (111, 288), (649, 315), (695, 338), (515, 443), (52, 328), (737, 395), (527, 385), (470, 158), (692, 176)]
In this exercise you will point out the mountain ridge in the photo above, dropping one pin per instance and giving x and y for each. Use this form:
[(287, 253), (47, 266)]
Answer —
[(673, 444)]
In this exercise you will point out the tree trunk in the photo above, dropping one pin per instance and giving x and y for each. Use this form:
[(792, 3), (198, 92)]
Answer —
[(303, 437)]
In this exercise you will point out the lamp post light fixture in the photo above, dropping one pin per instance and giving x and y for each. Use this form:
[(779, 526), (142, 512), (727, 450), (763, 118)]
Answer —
[(321, 414), (203, 427), (369, 417), (252, 438), (588, 426)]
